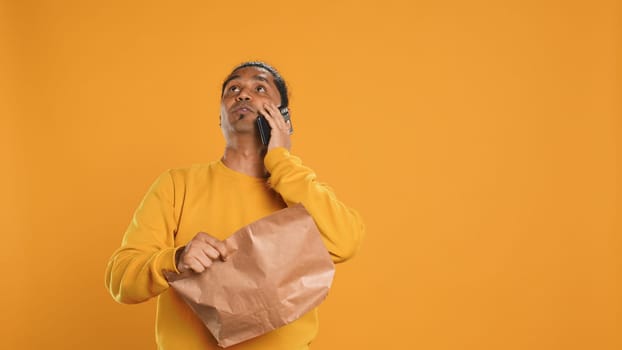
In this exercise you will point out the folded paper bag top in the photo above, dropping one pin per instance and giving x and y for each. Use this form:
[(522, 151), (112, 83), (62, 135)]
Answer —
[(278, 270)]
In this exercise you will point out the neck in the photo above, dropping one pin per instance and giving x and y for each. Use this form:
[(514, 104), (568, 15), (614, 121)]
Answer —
[(245, 155)]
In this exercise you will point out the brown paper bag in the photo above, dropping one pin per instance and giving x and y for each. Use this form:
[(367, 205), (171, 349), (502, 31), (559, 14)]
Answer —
[(278, 270)]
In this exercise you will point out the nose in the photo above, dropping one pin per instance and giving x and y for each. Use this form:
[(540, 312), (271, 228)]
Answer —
[(243, 96)]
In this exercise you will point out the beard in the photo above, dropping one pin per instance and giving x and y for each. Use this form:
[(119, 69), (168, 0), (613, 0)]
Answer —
[(242, 123)]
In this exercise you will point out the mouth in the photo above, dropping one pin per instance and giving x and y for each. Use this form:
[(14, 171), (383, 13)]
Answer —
[(242, 110)]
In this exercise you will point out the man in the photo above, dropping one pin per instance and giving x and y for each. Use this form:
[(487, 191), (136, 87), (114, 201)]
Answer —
[(187, 213)]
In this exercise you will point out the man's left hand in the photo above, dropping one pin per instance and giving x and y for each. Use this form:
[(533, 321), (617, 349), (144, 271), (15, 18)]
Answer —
[(279, 135)]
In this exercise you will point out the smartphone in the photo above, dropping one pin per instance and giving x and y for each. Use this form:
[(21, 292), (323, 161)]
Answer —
[(265, 129)]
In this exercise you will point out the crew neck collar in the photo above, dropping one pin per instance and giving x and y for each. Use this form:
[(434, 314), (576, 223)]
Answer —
[(238, 175)]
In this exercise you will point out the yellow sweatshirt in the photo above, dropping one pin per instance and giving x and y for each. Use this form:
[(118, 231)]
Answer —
[(214, 199)]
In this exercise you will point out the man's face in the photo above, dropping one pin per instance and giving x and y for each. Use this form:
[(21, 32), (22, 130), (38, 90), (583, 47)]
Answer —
[(246, 91)]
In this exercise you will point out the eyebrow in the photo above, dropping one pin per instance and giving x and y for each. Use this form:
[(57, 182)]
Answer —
[(260, 78), (229, 79), (236, 76)]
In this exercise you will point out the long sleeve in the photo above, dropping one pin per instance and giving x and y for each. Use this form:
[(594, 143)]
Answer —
[(134, 272), (341, 227)]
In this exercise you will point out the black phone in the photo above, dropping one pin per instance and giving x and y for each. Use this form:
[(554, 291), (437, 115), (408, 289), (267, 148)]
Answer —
[(265, 129)]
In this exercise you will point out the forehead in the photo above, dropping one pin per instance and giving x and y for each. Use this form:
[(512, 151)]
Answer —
[(250, 73)]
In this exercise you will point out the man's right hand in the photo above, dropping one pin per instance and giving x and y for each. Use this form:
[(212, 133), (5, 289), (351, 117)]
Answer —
[(200, 253)]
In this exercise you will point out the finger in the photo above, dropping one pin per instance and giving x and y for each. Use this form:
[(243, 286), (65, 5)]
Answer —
[(221, 247), (268, 116), (210, 252), (202, 236), (216, 244), (276, 114), (196, 267), (277, 124), (201, 263), (189, 261), (182, 267), (193, 265), (272, 110)]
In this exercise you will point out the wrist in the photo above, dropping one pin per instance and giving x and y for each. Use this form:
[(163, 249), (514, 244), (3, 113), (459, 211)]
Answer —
[(178, 253)]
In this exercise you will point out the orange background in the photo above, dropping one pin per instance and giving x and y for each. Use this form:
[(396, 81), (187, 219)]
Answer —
[(480, 141)]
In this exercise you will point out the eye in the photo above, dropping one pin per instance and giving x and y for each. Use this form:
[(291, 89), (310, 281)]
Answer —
[(261, 88), (234, 88)]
